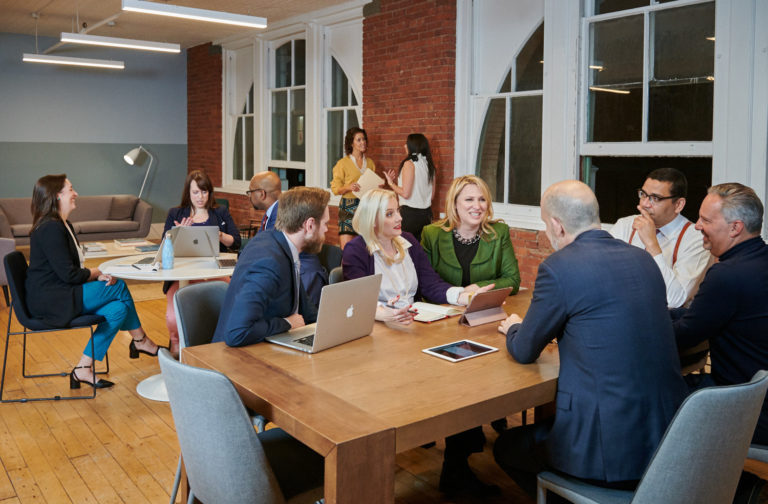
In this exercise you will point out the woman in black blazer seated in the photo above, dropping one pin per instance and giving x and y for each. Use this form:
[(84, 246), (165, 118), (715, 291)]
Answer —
[(59, 288), (198, 208)]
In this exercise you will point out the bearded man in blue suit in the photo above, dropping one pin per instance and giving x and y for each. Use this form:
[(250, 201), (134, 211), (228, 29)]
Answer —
[(265, 296), (620, 383)]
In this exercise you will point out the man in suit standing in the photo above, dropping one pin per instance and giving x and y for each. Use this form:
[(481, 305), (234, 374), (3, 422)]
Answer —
[(264, 192), (265, 295), (620, 384)]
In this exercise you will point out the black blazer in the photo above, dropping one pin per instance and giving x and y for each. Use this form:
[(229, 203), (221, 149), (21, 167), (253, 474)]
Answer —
[(55, 278)]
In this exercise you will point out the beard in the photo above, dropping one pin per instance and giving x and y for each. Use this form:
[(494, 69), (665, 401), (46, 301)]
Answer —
[(315, 244)]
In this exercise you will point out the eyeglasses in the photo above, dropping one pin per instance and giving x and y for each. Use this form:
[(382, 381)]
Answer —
[(655, 198), (249, 191)]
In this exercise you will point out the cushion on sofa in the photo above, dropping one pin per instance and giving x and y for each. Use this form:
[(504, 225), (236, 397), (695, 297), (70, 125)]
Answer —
[(104, 226), (122, 207), (91, 208), (17, 210), (21, 230)]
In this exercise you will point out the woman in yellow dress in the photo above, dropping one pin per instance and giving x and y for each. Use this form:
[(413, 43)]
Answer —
[(346, 173)]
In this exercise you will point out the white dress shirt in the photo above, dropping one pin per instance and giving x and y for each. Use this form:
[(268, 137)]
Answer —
[(692, 258)]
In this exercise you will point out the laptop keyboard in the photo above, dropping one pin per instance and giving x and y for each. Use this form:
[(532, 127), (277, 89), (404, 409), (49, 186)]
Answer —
[(306, 340), (227, 263)]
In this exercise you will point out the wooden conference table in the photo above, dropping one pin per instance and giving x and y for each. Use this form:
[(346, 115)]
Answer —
[(362, 402)]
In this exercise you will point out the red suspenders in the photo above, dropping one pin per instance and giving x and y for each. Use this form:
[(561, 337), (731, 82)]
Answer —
[(677, 245)]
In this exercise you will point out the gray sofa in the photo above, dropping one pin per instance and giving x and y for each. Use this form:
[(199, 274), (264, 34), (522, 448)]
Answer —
[(95, 218)]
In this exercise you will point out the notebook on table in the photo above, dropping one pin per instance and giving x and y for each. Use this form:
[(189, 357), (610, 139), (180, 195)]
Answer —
[(347, 312)]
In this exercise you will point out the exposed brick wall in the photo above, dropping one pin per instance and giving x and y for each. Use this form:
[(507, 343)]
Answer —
[(531, 248), (409, 58), (409, 77), (204, 81)]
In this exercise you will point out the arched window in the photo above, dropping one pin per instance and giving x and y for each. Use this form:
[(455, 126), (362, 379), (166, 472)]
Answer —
[(509, 149), (342, 114)]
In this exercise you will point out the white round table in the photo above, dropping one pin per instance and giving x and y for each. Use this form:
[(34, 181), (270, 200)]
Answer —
[(184, 270)]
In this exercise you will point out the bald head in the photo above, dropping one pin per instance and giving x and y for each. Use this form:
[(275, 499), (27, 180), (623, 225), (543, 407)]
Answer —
[(265, 188), (573, 204)]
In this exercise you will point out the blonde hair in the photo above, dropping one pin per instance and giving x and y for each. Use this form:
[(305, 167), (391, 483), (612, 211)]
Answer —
[(452, 220), (372, 207)]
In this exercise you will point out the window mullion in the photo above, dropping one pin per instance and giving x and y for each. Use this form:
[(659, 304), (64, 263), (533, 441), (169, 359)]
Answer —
[(507, 129), (647, 70)]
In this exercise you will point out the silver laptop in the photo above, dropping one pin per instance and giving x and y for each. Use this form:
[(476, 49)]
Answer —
[(347, 312)]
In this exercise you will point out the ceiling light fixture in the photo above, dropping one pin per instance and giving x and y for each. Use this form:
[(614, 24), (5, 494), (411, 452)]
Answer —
[(196, 14), (146, 45), (65, 60), (608, 90)]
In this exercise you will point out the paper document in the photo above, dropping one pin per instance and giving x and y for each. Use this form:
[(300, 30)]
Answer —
[(368, 180), (428, 312)]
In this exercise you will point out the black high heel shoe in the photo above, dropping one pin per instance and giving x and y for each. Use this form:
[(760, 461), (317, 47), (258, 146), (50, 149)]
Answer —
[(74, 381), (134, 352)]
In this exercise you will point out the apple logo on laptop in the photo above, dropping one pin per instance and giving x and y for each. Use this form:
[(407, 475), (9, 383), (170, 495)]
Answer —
[(350, 311)]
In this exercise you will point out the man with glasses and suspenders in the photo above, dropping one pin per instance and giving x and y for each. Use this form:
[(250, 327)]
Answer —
[(670, 238)]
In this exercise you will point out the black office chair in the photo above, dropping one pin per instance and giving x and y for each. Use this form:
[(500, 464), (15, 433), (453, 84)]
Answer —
[(16, 271), (330, 257)]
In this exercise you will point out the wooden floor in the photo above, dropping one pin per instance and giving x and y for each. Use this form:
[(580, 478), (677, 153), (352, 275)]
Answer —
[(120, 447)]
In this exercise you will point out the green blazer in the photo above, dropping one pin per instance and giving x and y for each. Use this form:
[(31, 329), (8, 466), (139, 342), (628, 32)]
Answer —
[(494, 262)]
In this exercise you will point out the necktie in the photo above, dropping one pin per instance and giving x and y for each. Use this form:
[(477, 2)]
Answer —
[(263, 222), (296, 285)]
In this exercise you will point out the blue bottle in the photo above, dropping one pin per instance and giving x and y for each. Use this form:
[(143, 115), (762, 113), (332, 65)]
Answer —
[(167, 255)]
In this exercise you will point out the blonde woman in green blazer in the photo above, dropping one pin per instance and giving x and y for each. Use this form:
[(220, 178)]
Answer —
[(468, 246)]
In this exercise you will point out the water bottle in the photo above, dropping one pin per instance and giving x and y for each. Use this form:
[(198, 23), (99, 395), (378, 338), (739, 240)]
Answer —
[(167, 255)]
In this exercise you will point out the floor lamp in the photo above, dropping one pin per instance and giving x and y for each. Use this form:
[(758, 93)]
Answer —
[(131, 157)]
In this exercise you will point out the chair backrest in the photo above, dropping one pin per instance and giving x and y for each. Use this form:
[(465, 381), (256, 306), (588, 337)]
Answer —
[(7, 245), (223, 202), (16, 270), (336, 275), (197, 308), (330, 256), (224, 459), (701, 455)]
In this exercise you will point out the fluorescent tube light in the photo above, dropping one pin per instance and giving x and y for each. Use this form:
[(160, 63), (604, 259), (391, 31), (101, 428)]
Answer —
[(146, 45), (65, 60), (179, 11), (607, 90)]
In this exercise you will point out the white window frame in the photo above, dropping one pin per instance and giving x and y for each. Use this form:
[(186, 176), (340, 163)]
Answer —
[(739, 149), (643, 147), (311, 27), (272, 89)]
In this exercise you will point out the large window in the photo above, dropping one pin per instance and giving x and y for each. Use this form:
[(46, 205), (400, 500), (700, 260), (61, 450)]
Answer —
[(342, 114), (288, 95), (648, 96), (509, 150), (241, 111)]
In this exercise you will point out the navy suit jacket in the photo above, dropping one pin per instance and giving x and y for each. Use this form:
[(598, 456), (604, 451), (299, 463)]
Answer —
[(261, 293), (270, 223), (620, 382)]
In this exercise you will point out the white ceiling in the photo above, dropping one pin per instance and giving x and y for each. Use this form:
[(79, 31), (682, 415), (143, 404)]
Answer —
[(56, 16)]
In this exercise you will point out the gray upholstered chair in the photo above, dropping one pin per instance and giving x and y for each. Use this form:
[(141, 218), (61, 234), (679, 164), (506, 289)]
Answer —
[(7, 245), (758, 452), (227, 462), (336, 275), (197, 308), (699, 459)]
